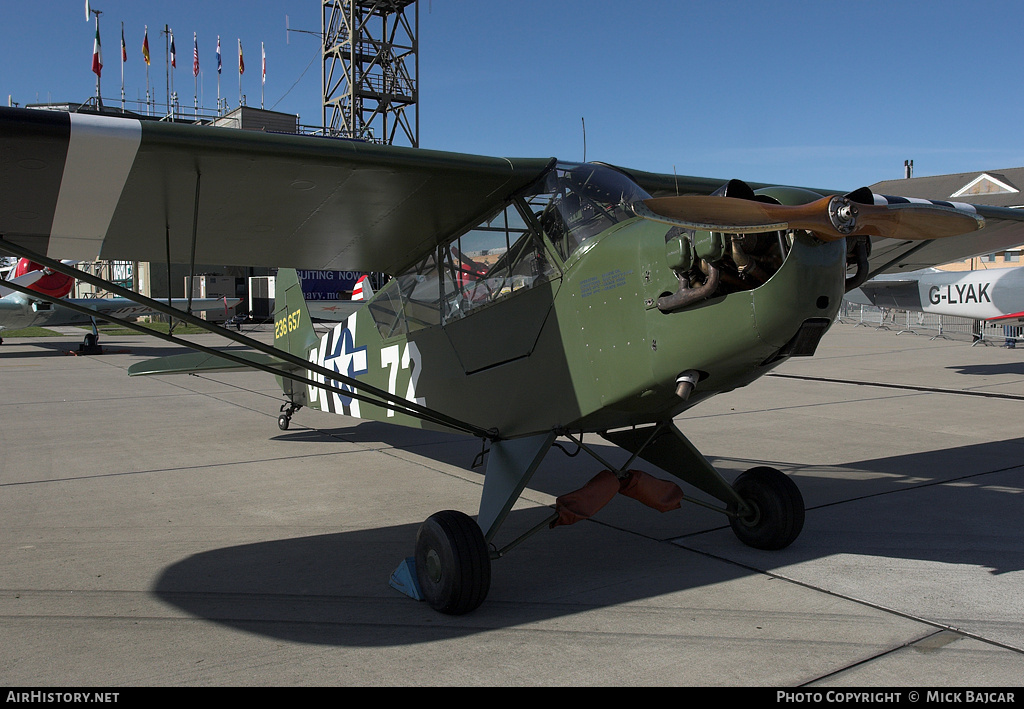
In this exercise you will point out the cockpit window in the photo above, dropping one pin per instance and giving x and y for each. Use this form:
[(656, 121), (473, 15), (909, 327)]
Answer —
[(578, 201), (409, 301), (506, 254), (499, 257)]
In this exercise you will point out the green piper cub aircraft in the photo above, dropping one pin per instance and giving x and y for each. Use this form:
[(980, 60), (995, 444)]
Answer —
[(624, 298)]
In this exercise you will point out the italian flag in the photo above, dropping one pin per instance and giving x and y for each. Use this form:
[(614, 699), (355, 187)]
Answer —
[(97, 54)]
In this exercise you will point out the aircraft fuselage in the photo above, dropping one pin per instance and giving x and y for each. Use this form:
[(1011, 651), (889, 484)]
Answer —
[(979, 294), (589, 349)]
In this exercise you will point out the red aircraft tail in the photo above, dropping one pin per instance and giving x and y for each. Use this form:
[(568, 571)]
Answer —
[(363, 290)]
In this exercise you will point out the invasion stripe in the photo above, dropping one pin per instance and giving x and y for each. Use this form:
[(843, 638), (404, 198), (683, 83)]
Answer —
[(100, 155), (884, 199)]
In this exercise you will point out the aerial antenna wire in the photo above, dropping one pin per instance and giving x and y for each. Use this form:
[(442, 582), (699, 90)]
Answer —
[(296, 83), (584, 122), (287, 40)]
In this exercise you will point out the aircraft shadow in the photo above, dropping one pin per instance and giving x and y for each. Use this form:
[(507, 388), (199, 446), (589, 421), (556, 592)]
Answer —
[(962, 507), (990, 369), (383, 433), (14, 348), (331, 589), (452, 448), (51, 347)]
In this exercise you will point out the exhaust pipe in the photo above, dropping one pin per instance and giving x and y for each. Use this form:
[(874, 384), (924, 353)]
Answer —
[(686, 383), (687, 296)]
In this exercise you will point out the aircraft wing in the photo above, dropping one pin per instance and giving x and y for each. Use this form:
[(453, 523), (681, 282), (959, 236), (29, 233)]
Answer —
[(192, 362), (886, 292), (1004, 229), (16, 311), (1008, 317), (124, 308), (82, 186)]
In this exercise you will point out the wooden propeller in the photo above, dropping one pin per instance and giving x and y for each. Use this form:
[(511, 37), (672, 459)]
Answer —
[(829, 218)]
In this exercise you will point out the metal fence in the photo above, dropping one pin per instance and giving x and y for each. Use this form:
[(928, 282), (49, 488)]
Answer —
[(934, 326)]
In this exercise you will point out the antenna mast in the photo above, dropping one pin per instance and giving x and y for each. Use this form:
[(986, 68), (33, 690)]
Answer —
[(370, 74)]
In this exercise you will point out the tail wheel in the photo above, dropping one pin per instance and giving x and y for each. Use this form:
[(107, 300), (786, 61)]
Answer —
[(453, 566), (285, 417), (776, 514)]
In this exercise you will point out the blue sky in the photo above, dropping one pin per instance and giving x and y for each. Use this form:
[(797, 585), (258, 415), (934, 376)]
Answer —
[(828, 94)]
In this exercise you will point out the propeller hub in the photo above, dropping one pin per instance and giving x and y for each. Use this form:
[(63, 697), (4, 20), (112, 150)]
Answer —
[(843, 214)]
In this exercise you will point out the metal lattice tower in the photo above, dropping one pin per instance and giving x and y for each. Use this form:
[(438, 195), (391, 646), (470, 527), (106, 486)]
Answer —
[(371, 70)]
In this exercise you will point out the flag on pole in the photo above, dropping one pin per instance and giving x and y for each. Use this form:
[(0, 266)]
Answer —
[(174, 54), (218, 54), (124, 49), (145, 46), (241, 62), (195, 55), (97, 54), (263, 50)]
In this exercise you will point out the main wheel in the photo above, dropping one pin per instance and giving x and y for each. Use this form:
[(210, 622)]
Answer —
[(776, 509), (453, 566)]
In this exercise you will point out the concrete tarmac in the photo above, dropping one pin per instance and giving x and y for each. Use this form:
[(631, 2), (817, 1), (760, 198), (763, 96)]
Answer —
[(164, 532)]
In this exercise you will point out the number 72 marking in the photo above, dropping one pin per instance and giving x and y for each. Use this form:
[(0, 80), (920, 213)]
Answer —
[(409, 358)]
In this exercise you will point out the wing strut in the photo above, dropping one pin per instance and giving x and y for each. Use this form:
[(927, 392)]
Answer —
[(363, 391), (192, 255)]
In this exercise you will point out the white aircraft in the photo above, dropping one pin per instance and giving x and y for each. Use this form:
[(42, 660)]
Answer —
[(996, 294), (19, 310)]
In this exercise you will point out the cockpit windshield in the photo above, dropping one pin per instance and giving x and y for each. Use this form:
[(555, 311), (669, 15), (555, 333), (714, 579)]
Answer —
[(577, 201)]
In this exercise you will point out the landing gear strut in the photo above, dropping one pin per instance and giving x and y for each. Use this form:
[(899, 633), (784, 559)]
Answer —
[(90, 345), (452, 564)]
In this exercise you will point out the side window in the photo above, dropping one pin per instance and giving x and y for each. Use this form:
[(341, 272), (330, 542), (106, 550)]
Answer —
[(408, 302), (499, 257)]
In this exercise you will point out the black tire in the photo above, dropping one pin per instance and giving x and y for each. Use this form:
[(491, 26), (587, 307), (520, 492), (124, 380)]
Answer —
[(90, 340), (453, 566), (283, 421), (777, 515)]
